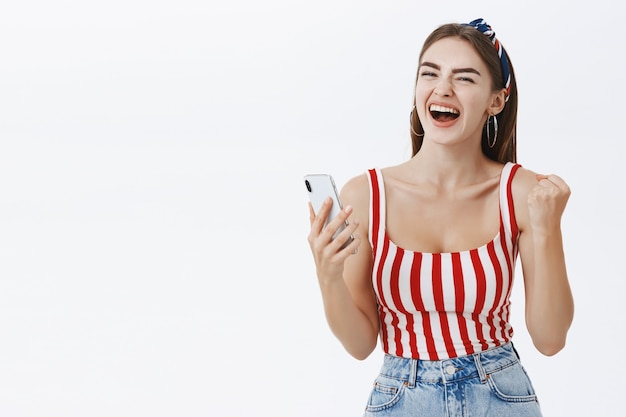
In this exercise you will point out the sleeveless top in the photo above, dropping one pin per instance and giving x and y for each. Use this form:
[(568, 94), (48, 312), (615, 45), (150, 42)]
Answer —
[(435, 306)]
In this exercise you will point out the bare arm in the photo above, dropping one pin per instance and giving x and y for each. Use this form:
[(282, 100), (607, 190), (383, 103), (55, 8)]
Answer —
[(344, 275), (540, 202)]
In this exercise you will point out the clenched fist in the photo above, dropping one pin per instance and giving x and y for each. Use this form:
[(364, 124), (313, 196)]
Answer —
[(546, 203)]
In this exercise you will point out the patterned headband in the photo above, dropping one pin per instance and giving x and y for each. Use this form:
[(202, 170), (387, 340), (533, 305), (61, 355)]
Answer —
[(483, 27)]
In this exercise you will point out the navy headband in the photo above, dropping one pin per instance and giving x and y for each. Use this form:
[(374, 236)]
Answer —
[(483, 27)]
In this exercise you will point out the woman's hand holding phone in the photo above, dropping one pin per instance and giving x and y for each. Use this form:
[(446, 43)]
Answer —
[(332, 237), (332, 241)]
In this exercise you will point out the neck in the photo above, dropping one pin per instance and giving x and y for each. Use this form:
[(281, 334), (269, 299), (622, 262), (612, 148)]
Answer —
[(450, 167)]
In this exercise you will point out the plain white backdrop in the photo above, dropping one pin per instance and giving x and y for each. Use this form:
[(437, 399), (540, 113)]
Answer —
[(153, 218)]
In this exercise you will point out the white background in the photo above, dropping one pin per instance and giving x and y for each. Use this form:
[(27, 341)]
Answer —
[(153, 219)]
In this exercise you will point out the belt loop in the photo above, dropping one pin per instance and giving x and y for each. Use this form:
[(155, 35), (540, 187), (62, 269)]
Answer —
[(479, 367), (413, 373)]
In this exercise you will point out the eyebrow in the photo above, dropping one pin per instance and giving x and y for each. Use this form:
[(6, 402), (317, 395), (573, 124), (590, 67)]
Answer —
[(454, 71)]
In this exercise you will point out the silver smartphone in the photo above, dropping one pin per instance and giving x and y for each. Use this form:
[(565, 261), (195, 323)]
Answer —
[(319, 187)]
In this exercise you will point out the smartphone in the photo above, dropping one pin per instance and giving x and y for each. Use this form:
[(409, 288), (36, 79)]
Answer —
[(319, 187)]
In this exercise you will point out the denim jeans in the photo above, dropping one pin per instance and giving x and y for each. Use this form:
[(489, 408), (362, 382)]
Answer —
[(491, 383)]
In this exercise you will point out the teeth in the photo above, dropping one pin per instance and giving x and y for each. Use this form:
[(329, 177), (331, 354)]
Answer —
[(441, 109)]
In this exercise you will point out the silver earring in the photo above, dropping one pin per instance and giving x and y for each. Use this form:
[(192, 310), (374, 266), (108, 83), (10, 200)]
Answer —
[(411, 123), (495, 131)]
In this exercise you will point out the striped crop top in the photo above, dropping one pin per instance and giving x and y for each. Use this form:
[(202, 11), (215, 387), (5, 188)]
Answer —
[(435, 306)]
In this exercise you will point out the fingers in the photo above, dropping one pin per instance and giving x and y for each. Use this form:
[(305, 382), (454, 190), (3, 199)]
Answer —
[(338, 235), (346, 237), (553, 180), (318, 219), (339, 222), (547, 201), (311, 213), (353, 247), (350, 246), (550, 185)]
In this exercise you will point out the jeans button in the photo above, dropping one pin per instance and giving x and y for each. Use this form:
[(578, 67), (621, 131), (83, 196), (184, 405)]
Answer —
[(450, 370)]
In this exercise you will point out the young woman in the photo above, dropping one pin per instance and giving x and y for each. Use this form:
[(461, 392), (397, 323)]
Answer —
[(430, 270)]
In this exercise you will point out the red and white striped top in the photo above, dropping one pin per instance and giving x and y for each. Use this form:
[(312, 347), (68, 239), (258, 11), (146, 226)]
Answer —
[(435, 306)]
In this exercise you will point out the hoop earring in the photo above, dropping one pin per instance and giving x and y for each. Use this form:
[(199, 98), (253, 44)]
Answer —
[(411, 123), (491, 143)]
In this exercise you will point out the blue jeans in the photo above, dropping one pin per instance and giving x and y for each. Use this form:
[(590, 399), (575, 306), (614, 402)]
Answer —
[(491, 383)]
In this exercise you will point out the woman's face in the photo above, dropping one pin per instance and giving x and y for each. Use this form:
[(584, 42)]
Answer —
[(453, 95)]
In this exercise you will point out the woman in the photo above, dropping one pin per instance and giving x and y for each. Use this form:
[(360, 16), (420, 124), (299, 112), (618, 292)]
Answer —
[(430, 270)]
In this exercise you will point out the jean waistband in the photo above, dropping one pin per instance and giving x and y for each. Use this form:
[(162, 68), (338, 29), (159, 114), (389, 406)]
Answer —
[(447, 370)]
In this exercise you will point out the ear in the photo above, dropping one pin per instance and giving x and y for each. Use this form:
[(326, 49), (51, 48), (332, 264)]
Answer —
[(498, 100)]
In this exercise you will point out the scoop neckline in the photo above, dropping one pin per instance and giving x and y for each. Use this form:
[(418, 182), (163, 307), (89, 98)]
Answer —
[(478, 248)]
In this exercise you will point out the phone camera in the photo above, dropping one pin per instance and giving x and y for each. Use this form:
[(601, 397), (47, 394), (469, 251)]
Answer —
[(308, 185)]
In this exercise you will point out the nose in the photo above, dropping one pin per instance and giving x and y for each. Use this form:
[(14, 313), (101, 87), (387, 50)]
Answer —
[(443, 87)]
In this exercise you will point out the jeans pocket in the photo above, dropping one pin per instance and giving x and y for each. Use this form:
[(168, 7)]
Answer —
[(512, 384), (385, 394)]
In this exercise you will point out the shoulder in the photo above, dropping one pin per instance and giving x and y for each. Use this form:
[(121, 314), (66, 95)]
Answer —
[(356, 190), (356, 193), (523, 181)]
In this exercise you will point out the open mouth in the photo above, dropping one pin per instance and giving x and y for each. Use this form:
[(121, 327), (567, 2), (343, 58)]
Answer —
[(442, 113)]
